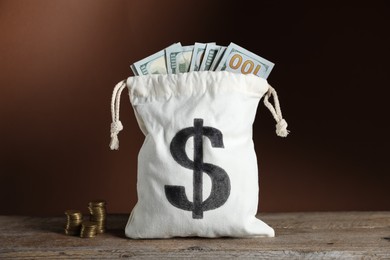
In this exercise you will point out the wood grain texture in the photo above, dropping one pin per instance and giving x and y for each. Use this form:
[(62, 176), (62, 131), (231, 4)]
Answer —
[(347, 235)]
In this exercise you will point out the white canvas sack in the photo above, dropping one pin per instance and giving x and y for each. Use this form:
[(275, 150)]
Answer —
[(197, 168)]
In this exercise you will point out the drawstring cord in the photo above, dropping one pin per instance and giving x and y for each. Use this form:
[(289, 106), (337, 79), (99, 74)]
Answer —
[(116, 125), (281, 124)]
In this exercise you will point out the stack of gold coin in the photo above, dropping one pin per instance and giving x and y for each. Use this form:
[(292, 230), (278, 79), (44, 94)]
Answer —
[(97, 209), (88, 229), (74, 218)]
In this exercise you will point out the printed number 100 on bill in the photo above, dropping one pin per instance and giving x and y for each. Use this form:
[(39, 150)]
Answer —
[(239, 60), (242, 64)]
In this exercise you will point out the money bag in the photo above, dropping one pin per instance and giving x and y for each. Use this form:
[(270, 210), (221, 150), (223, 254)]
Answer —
[(197, 168)]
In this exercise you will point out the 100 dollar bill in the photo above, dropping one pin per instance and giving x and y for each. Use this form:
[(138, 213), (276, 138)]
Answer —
[(154, 64), (209, 56), (239, 60), (180, 59), (197, 56), (217, 58)]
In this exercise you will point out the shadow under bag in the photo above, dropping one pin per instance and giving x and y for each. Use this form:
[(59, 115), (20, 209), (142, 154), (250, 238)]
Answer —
[(197, 168)]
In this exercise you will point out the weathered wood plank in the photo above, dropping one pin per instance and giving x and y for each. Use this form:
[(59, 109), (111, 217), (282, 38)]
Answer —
[(299, 235)]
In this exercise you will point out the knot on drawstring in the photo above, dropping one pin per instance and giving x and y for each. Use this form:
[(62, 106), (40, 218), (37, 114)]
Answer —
[(281, 124), (281, 128), (116, 127)]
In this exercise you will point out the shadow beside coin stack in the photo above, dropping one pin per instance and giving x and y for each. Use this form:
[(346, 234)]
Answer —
[(87, 229)]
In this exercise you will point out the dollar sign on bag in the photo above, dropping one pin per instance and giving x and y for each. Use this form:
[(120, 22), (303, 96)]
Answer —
[(220, 182)]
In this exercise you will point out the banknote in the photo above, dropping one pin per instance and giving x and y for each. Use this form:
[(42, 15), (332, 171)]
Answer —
[(239, 60), (179, 58), (202, 57), (217, 58), (197, 56), (154, 64), (134, 70), (209, 55)]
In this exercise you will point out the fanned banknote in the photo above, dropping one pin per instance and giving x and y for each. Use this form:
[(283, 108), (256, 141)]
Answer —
[(209, 55), (134, 70), (154, 64), (198, 54), (218, 58), (203, 57), (179, 58), (239, 60)]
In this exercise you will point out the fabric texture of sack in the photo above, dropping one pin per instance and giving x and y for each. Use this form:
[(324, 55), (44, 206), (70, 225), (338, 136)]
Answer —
[(197, 168)]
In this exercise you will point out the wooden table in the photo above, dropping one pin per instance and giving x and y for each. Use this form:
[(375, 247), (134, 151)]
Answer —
[(298, 235)]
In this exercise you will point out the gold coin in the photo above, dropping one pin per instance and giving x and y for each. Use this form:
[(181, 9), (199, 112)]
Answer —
[(88, 231), (89, 224), (97, 203), (73, 212)]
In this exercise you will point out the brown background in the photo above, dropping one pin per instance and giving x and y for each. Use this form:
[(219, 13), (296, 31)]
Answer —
[(59, 61)]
